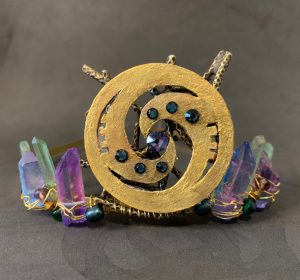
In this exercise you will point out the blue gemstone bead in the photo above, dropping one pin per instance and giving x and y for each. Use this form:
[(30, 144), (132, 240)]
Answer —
[(162, 167), (94, 214), (140, 168), (152, 113), (192, 116), (172, 107), (121, 155), (203, 208)]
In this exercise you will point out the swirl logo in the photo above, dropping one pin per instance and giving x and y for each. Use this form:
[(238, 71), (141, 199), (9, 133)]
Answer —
[(191, 109)]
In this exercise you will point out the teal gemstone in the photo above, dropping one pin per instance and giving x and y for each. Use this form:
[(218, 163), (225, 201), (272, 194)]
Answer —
[(94, 214), (140, 168), (162, 167), (203, 208), (172, 107), (192, 116), (121, 155), (152, 113), (57, 215), (249, 206)]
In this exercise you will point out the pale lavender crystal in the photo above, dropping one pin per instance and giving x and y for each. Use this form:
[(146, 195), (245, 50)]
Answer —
[(31, 176), (266, 170), (70, 189), (157, 141), (235, 182)]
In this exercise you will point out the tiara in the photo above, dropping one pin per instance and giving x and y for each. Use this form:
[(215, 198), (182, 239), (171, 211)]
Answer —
[(177, 158)]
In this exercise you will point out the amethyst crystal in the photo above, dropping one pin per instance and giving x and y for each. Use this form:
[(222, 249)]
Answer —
[(230, 193), (271, 185), (157, 142), (70, 189)]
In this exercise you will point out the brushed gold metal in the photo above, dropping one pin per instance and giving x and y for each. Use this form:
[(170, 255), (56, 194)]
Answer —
[(109, 110)]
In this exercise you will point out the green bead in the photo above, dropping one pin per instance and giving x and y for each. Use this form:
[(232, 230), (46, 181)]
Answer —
[(57, 215), (249, 206), (203, 208), (94, 214)]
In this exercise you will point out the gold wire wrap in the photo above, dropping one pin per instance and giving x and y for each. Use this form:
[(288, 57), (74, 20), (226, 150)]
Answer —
[(112, 205), (257, 190), (69, 212), (236, 206), (47, 204)]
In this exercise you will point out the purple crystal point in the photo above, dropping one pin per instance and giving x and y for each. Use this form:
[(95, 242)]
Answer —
[(31, 177), (157, 141), (70, 189), (266, 170), (230, 193)]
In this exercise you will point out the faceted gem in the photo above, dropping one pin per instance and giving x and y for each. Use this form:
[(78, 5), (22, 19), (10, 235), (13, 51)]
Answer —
[(249, 206), (203, 208), (94, 214), (140, 168), (157, 141), (45, 161), (121, 155), (41, 193), (57, 215), (31, 177), (24, 147), (162, 167), (192, 116), (152, 113), (270, 184), (229, 195), (172, 107), (70, 189)]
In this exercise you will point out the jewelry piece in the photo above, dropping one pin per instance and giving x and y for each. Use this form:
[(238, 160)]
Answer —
[(184, 107)]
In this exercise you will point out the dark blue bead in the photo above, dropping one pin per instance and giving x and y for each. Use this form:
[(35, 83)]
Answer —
[(121, 155), (203, 208), (192, 116), (94, 214), (172, 107), (152, 113), (140, 168), (162, 167)]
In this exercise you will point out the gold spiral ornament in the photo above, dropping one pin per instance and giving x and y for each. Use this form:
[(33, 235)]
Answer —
[(210, 133)]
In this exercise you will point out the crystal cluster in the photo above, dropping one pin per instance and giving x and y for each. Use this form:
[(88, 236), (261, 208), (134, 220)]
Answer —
[(70, 189), (250, 171), (229, 195)]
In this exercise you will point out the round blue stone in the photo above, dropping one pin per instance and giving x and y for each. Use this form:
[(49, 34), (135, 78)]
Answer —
[(152, 113), (203, 208), (172, 107), (140, 168), (121, 155), (162, 167), (192, 116), (94, 214)]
